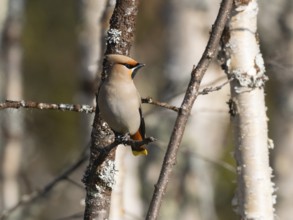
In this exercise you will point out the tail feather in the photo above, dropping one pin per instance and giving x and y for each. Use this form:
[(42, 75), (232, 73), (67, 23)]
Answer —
[(139, 136), (141, 150)]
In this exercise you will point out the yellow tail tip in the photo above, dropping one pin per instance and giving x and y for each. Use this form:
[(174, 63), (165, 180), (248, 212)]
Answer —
[(141, 152)]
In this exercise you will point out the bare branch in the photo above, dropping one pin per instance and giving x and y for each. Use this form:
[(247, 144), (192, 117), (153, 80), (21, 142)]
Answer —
[(207, 90), (190, 96), (215, 162), (77, 184), (46, 106), (149, 100), (29, 198), (71, 107)]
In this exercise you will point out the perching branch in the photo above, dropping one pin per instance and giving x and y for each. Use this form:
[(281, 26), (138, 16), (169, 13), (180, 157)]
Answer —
[(29, 198), (71, 107), (186, 106), (47, 106), (133, 143), (91, 109)]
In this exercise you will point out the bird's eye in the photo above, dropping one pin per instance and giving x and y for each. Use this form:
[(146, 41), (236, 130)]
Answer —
[(128, 66)]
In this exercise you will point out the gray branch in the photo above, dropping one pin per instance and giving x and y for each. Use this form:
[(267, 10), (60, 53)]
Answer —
[(47, 106), (183, 115)]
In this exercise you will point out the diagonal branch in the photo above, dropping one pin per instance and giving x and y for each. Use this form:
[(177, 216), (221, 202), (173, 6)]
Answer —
[(29, 198), (186, 106), (208, 90)]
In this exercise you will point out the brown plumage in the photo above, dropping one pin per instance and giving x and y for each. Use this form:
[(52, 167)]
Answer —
[(119, 101)]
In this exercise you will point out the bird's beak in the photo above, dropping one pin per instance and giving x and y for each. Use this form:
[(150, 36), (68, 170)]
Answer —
[(137, 67)]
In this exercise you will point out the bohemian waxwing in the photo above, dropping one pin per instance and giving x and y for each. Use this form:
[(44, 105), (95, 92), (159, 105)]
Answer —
[(119, 102)]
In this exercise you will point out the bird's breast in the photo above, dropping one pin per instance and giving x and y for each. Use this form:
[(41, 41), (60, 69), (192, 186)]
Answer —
[(119, 106)]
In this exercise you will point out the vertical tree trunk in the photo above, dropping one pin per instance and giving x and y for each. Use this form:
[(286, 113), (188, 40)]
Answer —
[(254, 199), (13, 123), (99, 176)]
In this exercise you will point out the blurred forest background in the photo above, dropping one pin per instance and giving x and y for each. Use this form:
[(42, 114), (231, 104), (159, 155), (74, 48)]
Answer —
[(50, 52)]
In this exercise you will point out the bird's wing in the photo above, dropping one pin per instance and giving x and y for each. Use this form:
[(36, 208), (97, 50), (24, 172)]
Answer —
[(142, 125)]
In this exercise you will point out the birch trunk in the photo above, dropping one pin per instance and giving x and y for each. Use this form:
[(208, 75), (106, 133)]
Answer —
[(13, 123), (244, 62)]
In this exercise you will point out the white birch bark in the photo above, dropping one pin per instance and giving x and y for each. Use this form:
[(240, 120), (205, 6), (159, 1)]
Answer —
[(13, 123), (254, 197)]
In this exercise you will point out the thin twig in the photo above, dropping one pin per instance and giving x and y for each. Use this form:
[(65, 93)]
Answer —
[(79, 185), (207, 90), (149, 100), (71, 107), (214, 162), (28, 198), (183, 115), (47, 106)]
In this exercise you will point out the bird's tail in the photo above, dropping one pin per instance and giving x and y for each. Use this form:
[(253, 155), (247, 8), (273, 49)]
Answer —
[(141, 150)]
